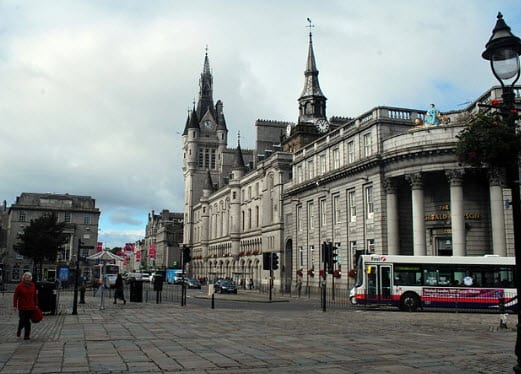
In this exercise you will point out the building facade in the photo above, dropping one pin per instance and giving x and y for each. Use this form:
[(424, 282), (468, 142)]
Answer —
[(161, 247), (382, 182), (81, 218)]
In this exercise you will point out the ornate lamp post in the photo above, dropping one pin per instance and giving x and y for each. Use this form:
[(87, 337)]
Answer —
[(503, 50)]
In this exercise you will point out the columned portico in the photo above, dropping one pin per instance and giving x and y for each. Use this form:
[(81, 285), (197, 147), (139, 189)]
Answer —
[(457, 216), (418, 213), (393, 238), (497, 214)]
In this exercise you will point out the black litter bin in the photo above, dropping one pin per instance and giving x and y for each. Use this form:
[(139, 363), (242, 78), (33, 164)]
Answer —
[(47, 296), (136, 291)]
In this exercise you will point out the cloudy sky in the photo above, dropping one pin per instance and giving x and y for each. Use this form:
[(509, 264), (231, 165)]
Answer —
[(94, 94)]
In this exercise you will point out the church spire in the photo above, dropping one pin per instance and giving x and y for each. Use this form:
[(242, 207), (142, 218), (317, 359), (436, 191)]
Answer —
[(312, 101), (205, 102)]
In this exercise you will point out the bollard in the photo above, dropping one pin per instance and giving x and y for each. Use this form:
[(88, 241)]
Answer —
[(213, 301), (502, 313), (82, 294)]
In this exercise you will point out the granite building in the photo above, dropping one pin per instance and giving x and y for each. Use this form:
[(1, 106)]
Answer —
[(81, 223), (382, 182)]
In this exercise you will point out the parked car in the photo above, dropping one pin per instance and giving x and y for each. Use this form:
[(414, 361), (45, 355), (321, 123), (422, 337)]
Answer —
[(158, 274), (131, 277), (192, 283), (225, 286), (145, 277), (179, 276)]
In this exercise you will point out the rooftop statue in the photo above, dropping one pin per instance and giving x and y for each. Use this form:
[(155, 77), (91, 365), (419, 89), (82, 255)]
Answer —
[(432, 116)]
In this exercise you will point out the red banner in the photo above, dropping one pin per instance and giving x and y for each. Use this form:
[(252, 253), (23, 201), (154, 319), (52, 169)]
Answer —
[(99, 247), (138, 256), (152, 251)]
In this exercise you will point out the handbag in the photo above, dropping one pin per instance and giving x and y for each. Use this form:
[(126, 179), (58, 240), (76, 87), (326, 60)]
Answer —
[(37, 315)]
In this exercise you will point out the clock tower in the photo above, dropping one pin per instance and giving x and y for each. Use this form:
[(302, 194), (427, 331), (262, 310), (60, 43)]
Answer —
[(312, 120), (205, 138)]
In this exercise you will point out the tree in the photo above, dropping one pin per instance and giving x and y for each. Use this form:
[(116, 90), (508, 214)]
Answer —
[(489, 141), (41, 240)]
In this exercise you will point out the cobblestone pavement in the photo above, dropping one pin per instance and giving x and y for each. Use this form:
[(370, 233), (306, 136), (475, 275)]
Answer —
[(168, 338)]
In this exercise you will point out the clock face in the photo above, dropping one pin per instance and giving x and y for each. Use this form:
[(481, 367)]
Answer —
[(208, 124), (322, 125), (288, 130)]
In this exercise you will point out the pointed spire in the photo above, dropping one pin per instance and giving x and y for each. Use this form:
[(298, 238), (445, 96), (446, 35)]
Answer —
[(187, 124), (206, 68), (312, 102), (192, 122), (238, 161), (205, 102), (311, 85)]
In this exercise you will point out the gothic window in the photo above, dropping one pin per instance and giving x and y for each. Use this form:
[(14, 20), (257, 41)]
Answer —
[(200, 160), (206, 158), (212, 159)]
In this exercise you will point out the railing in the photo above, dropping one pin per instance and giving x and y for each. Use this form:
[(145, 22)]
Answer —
[(338, 298)]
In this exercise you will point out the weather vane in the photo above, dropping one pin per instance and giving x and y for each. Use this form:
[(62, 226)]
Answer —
[(310, 25)]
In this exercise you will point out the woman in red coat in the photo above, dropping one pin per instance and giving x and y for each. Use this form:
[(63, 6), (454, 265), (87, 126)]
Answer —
[(25, 299)]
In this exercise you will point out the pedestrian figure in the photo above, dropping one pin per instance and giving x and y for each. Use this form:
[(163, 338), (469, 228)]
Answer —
[(25, 299), (299, 285), (118, 292), (250, 285)]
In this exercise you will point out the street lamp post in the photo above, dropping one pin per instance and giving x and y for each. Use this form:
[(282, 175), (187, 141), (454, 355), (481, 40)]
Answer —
[(503, 50)]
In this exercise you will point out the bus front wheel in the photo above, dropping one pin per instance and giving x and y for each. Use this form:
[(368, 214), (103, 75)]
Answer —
[(410, 302)]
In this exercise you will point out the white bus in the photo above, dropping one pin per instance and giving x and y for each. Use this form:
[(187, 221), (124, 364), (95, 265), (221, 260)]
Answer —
[(412, 282)]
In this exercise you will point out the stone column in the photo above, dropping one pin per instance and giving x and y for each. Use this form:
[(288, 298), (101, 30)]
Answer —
[(418, 214), (457, 217), (393, 240), (497, 214)]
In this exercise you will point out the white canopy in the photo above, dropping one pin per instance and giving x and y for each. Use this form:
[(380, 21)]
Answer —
[(105, 256)]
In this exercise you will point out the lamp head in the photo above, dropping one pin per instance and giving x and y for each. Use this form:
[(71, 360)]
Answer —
[(503, 50)]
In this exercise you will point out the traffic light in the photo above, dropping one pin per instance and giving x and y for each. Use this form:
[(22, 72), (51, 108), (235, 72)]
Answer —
[(274, 261), (186, 255), (266, 261), (332, 259)]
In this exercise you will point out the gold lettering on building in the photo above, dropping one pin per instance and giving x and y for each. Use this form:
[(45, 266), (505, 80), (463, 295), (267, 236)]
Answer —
[(470, 216)]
